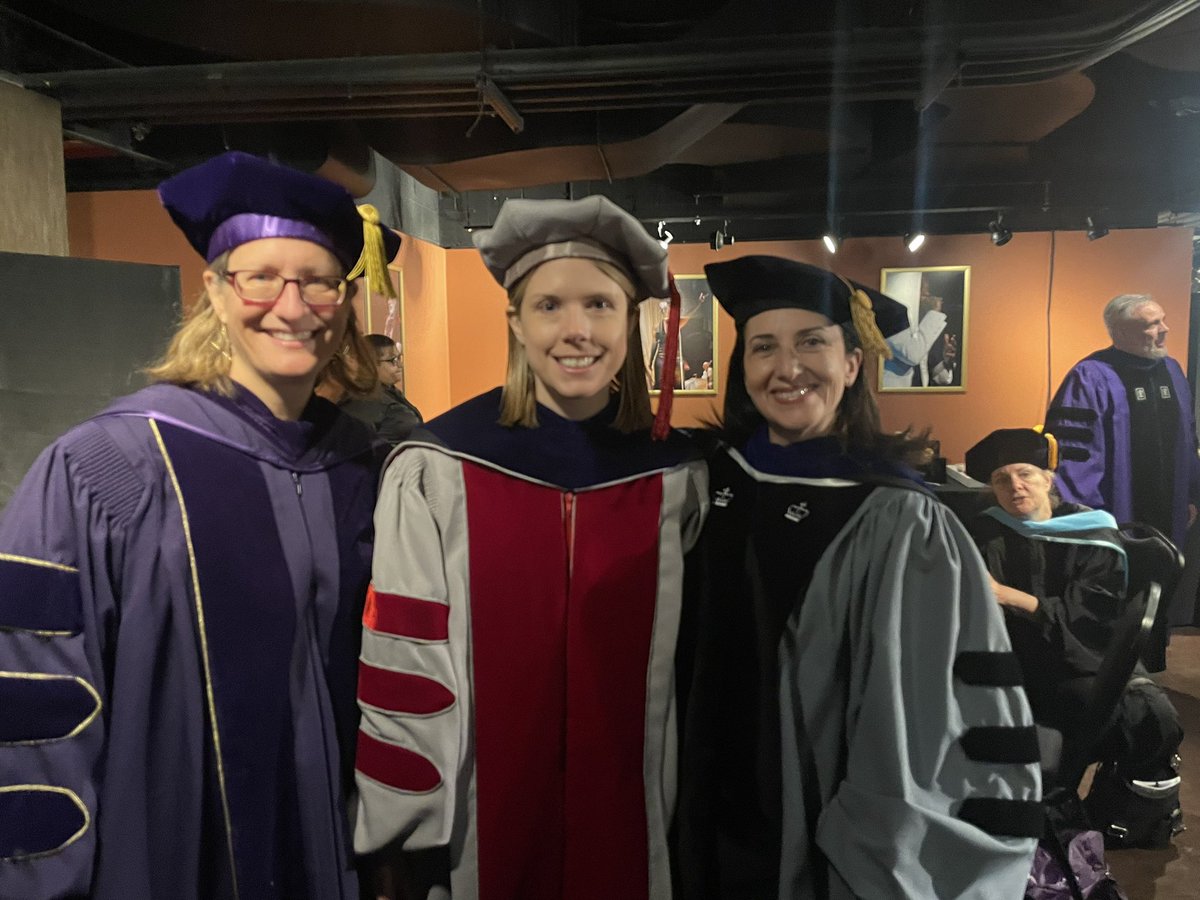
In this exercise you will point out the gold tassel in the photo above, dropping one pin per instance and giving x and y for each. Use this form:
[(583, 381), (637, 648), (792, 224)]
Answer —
[(372, 262), (1051, 451), (862, 313)]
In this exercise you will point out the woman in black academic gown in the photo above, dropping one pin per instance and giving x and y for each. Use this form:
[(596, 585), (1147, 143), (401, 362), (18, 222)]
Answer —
[(852, 727)]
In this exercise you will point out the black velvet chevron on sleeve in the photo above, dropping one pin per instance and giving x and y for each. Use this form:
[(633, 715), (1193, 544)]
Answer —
[(1001, 744), (1005, 818), (1066, 413), (988, 668), (1072, 433)]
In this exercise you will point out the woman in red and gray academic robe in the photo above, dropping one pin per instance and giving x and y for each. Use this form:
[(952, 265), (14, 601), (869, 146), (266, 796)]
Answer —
[(518, 731), (181, 581)]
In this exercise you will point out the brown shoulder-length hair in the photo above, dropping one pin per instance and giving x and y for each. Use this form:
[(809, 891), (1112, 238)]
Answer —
[(198, 354), (857, 425), (518, 403)]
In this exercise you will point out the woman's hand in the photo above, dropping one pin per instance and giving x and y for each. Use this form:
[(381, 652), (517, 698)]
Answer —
[(1010, 596)]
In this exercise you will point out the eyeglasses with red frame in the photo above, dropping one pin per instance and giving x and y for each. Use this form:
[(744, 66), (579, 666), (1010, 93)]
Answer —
[(321, 293)]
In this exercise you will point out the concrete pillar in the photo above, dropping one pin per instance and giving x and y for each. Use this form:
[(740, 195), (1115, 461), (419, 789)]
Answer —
[(33, 190)]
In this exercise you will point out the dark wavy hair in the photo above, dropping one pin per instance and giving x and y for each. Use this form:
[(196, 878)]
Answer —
[(857, 425)]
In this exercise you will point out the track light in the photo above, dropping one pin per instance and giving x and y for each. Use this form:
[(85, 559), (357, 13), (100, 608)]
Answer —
[(831, 242), (1001, 233), (491, 94), (721, 237), (664, 236), (1095, 231), (913, 240), (697, 220)]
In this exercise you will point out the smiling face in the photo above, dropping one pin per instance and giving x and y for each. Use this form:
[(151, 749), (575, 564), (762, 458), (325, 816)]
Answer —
[(573, 322), (1023, 491), (278, 349), (1143, 332), (797, 369)]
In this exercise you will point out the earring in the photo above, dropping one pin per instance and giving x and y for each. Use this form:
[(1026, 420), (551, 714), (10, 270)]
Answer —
[(221, 343)]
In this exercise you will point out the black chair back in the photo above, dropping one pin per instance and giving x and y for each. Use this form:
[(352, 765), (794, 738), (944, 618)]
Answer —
[(1061, 778), (1130, 635), (1152, 557)]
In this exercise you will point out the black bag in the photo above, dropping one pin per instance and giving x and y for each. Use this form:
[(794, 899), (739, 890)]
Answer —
[(1128, 813)]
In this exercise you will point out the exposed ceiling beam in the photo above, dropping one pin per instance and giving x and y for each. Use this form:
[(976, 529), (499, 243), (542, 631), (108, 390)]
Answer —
[(865, 64)]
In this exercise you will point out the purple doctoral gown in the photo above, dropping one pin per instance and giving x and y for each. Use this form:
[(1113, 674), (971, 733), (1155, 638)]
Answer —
[(181, 585), (1090, 418)]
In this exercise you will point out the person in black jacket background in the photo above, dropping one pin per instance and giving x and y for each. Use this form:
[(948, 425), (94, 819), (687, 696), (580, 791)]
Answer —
[(387, 410)]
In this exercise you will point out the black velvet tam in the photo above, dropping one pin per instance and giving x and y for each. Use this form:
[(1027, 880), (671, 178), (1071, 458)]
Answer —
[(1004, 447), (750, 285)]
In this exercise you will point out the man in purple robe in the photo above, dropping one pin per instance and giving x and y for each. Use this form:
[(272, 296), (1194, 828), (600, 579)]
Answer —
[(1124, 420)]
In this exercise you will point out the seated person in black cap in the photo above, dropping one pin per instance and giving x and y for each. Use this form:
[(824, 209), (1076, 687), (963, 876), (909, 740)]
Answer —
[(846, 729), (182, 577), (1059, 572), (516, 688)]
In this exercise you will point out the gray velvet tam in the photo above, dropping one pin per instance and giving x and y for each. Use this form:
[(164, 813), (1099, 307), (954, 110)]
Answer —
[(528, 233)]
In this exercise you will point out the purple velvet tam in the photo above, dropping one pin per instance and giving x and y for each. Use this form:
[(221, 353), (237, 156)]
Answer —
[(235, 198)]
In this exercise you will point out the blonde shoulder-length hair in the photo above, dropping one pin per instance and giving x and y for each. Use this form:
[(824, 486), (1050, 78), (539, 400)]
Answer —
[(518, 403), (199, 354)]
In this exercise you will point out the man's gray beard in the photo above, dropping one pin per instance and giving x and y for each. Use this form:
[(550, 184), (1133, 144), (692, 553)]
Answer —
[(1156, 352)]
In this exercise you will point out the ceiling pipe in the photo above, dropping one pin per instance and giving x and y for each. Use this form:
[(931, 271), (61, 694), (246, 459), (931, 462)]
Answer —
[(877, 63)]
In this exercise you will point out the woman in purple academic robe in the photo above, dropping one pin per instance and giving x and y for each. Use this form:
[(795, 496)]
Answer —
[(182, 576)]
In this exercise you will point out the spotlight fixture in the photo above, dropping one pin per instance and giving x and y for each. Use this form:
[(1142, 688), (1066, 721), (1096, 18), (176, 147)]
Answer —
[(913, 240), (664, 237), (1001, 233), (491, 94), (721, 237), (1095, 231), (697, 220), (831, 241)]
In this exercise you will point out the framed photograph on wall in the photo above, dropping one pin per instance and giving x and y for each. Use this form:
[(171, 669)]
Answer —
[(380, 314), (931, 356), (694, 369)]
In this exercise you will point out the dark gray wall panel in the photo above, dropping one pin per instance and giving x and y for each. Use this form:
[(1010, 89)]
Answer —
[(73, 335)]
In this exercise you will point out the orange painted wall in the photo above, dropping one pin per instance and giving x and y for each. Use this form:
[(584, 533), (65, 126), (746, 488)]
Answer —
[(131, 226), (478, 327), (426, 329), (455, 324), (1006, 355)]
